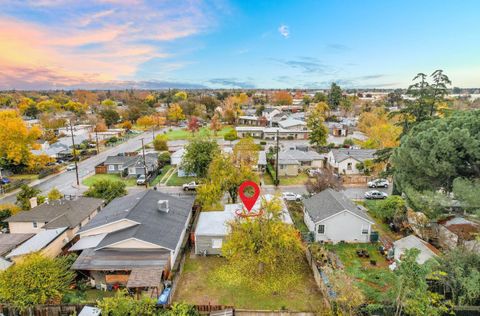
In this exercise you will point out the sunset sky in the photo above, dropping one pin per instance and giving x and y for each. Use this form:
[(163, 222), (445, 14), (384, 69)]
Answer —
[(48, 44)]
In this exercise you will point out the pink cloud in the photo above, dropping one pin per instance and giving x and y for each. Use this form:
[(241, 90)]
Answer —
[(99, 47)]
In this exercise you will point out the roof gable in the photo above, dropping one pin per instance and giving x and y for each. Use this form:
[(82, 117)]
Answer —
[(328, 203)]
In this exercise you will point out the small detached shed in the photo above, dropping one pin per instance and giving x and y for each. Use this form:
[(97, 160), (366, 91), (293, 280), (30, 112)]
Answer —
[(212, 229), (427, 251)]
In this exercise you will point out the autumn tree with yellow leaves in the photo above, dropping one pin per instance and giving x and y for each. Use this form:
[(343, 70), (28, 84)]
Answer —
[(16, 140), (175, 113)]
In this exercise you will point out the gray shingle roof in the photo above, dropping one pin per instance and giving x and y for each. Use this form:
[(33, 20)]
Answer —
[(357, 154), (60, 213), (330, 202), (291, 122), (159, 228), (296, 156), (10, 241)]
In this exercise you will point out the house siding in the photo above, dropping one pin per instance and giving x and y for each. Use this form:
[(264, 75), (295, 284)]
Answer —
[(288, 170), (25, 227), (343, 226), (122, 224), (203, 243)]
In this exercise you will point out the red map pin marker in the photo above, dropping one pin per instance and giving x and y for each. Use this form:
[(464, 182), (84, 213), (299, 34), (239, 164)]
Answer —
[(249, 201)]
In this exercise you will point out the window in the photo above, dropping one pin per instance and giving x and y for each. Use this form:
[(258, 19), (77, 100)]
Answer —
[(34, 224), (111, 167), (217, 243), (321, 229), (349, 166), (364, 230)]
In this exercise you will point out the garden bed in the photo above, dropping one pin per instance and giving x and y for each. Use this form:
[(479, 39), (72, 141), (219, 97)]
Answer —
[(376, 282)]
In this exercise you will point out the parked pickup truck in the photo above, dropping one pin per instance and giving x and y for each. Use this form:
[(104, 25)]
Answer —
[(192, 186)]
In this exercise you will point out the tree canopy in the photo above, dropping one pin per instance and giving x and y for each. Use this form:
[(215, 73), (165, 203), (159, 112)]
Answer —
[(436, 153), (106, 189), (263, 251), (198, 155), (35, 280)]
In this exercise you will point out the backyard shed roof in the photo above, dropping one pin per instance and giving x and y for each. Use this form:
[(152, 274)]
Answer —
[(427, 251)]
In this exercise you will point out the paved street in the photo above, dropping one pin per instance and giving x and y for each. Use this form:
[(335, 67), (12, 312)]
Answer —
[(66, 181)]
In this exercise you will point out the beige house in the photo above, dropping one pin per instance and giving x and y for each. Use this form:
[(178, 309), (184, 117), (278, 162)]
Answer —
[(293, 161), (54, 224), (344, 160)]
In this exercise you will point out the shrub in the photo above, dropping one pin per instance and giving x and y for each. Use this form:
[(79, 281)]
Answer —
[(160, 143)]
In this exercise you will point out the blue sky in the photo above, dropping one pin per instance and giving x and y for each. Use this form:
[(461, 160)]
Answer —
[(236, 44)]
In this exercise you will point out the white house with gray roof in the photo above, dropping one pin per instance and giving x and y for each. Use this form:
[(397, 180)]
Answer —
[(332, 217), (141, 230), (345, 160)]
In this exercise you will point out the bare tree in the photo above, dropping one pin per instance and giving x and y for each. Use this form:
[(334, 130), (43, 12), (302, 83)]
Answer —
[(323, 180)]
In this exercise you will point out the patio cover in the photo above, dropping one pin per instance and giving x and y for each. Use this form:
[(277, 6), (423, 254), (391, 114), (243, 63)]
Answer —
[(145, 277)]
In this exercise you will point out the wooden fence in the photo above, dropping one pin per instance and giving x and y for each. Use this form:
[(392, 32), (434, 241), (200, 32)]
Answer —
[(318, 278), (44, 310)]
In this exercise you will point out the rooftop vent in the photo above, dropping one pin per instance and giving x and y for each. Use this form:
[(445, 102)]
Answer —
[(163, 206)]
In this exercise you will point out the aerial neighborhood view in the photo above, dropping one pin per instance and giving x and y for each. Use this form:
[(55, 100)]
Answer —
[(236, 157)]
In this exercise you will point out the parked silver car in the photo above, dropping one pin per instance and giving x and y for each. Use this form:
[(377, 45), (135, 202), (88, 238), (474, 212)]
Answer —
[(290, 196), (375, 195), (378, 183)]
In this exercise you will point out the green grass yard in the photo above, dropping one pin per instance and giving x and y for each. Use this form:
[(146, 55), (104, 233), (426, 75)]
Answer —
[(197, 285), (129, 182), (204, 131), (301, 178), (376, 282), (175, 180)]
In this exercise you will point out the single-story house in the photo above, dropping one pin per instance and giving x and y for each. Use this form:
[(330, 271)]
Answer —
[(250, 131), (54, 224), (273, 116), (292, 124), (337, 129), (8, 242), (270, 133), (55, 150), (132, 166), (455, 231), (290, 162), (332, 217), (344, 160), (144, 230), (250, 120), (427, 251), (213, 227)]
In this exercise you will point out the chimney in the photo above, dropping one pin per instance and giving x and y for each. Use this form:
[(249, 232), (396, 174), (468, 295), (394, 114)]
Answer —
[(163, 206), (33, 202)]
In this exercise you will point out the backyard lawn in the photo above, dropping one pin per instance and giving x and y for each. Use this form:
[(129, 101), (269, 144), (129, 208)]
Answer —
[(376, 282), (380, 225), (175, 180), (204, 131), (300, 179), (197, 285), (130, 182)]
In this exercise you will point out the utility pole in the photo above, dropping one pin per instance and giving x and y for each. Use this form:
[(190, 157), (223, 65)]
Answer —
[(96, 140), (276, 160), (144, 165), (74, 153)]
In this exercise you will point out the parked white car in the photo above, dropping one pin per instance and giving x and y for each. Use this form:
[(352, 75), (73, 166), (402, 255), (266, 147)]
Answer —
[(192, 186), (378, 183), (290, 196), (141, 180), (375, 195), (71, 167)]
